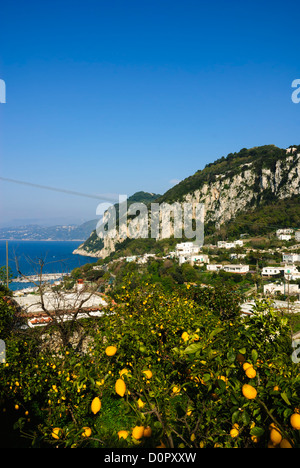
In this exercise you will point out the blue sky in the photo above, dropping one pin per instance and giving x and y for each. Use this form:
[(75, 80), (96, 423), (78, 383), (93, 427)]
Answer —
[(113, 97)]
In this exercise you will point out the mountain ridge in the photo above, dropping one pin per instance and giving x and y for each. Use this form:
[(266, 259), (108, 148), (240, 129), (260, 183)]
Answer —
[(242, 182), (36, 232)]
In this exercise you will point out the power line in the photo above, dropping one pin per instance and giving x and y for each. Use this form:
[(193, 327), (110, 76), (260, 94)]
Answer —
[(55, 189)]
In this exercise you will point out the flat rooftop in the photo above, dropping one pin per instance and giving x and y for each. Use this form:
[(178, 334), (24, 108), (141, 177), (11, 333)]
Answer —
[(31, 303)]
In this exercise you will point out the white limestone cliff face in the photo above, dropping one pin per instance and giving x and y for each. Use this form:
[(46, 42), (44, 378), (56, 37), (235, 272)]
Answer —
[(223, 198)]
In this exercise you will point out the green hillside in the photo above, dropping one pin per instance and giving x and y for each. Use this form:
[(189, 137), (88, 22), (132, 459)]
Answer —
[(261, 157), (265, 212)]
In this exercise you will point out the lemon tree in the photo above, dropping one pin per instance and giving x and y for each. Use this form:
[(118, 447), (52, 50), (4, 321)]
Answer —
[(174, 368)]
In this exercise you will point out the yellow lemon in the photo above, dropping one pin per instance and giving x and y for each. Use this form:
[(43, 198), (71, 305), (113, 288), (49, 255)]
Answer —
[(295, 421), (55, 432), (111, 350), (234, 433), (285, 444), (250, 372), (123, 434), (249, 391), (140, 403), (96, 405), (87, 431), (176, 390), (120, 387), (185, 336), (246, 366), (275, 436), (148, 373), (138, 432)]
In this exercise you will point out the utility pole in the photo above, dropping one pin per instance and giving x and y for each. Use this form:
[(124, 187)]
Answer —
[(288, 294), (7, 264)]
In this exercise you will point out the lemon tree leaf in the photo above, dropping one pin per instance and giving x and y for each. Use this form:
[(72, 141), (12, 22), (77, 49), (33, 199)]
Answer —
[(257, 431), (215, 332), (285, 398), (254, 355), (193, 348)]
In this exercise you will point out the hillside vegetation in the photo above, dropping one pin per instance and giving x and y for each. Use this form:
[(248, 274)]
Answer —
[(234, 163), (264, 210)]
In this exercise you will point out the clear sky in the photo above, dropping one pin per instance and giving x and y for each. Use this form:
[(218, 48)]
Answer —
[(118, 96)]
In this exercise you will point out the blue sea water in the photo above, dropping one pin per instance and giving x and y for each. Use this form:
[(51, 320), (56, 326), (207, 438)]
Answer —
[(57, 255)]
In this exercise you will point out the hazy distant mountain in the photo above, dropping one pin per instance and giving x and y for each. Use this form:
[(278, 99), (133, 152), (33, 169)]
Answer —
[(53, 233)]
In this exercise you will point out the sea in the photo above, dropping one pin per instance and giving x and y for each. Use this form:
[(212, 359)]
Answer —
[(57, 257)]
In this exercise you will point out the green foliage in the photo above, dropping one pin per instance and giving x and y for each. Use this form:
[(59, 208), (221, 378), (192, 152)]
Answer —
[(6, 316), (3, 274), (233, 164), (264, 220), (192, 341)]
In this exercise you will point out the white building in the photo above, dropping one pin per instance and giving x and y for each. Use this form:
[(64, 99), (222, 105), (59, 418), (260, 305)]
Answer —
[(229, 268), (273, 288), (284, 237), (144, 258), (271, 271), (287, 270), (214, 267), (230, 245), (199, 259), (186, 248), (185, 251), (284, 234), (235, 256), (236, 268), (284, 231), (290, 257), (131, 259)]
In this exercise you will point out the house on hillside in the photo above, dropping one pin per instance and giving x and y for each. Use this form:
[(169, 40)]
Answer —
[(290, 258), (199, 259), (186, 248), (242, 269), (287, 271), (284, 237), (274, 288), (236, 268), (214, 267), (284, 234), (184, 251), (230, 245)]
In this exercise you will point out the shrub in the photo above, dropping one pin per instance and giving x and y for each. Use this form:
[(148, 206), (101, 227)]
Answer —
[(180, 356)]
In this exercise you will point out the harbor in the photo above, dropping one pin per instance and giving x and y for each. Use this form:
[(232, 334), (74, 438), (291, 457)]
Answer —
[(39, 278)]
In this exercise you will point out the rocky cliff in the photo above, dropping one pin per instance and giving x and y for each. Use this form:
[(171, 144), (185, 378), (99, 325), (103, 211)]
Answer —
[(240, 182)]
